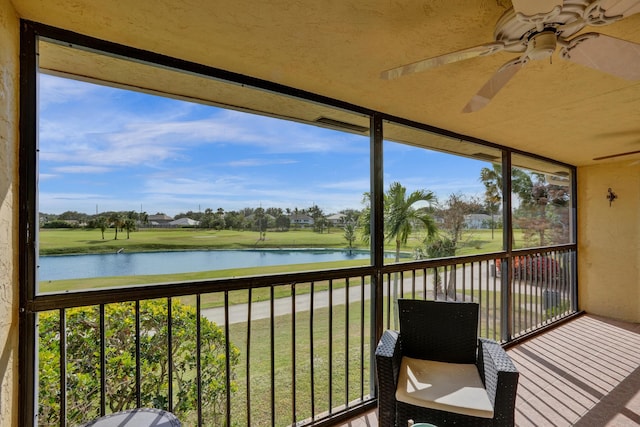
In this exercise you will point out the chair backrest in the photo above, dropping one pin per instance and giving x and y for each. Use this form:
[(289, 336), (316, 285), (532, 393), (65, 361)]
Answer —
[(444, 331)]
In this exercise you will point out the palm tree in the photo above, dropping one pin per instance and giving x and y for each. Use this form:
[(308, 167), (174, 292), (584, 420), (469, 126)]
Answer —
[(129, 224), (115, 219), (260, 222), (350, 233), (492, 180), (364, 220), (401, 218), (101, 223)]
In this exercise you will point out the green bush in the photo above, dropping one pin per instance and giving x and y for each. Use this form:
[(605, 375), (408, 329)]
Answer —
[(441, 247), (83, 379)]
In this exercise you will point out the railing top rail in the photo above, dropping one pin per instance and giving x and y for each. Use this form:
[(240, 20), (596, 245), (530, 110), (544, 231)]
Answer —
[(175, 289)]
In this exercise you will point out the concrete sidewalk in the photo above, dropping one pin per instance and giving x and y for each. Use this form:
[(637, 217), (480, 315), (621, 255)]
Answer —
[(239, 313)]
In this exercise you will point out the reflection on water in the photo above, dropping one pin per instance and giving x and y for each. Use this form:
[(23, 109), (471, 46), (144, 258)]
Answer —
[(141, 263)]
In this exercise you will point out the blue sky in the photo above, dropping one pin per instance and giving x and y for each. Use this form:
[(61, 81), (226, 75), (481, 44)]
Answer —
[(106, 149)]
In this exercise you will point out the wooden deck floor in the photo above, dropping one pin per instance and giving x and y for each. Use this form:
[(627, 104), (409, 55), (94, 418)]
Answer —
[(585, 372)]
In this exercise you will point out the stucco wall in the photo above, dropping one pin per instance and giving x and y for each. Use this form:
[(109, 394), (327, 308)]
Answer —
[(609, 240), (9, 72)]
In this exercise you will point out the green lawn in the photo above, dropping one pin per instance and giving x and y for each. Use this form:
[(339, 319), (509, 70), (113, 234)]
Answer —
[(78, 241)]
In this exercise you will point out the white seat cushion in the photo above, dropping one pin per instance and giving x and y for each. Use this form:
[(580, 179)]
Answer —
[(450, 387)]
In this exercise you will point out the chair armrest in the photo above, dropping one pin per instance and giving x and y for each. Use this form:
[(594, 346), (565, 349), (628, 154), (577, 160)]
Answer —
[(500, 378), (388, 359)]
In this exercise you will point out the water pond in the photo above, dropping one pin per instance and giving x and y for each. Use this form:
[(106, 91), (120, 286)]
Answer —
[(141, 263)]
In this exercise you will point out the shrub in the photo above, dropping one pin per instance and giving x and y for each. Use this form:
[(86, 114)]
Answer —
[(442, 247), (59, 224), (537, 268), (83, 383)]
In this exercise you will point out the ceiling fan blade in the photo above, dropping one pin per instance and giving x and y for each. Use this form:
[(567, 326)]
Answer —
[(608, 54), (535, 7), (436, 61), (493, 86), (612, 156), (604, 12)]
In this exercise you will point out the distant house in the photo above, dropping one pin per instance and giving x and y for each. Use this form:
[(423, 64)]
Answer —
[(159, 220), (476, 221), (301, 220), (336, 220), (184, 222)]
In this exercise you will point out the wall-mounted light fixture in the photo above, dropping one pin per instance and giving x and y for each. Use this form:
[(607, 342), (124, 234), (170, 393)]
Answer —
[(611, 196)]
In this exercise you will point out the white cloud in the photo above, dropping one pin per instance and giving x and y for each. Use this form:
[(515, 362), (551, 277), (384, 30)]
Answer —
[(360, 185), (205, 186), (260, 162), (81, 169)]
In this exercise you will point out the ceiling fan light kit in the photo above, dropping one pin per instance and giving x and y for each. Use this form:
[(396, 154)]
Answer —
[(535, 28), (541, 45)]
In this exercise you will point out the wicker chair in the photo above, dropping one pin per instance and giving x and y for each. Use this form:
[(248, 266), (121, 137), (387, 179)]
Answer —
[(433, 332)]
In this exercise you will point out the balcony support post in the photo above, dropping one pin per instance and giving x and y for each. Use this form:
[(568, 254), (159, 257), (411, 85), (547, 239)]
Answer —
[(376, 240)]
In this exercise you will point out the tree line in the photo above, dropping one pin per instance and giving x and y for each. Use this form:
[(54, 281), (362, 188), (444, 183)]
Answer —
[(541, 215)]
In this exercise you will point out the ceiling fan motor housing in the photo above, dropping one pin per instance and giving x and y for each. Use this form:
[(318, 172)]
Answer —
[(541, 45)]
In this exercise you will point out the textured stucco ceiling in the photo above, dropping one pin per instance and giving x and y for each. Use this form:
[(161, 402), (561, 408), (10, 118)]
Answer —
[(338, 49)]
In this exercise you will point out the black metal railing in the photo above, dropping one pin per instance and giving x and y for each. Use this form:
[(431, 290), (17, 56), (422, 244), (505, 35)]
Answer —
[(278, 350)]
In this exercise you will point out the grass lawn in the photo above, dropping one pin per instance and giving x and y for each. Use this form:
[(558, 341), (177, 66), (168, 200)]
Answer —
[(79, 241)]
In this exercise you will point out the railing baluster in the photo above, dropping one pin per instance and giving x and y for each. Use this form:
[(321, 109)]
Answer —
[(311, 353), (170, 354), (248, 357), (330, 370), (199, 358), (138, 356), (486, 281), (454, 281), (464, 280), (362, 314), (346, 343), (445, 282), (273, 357), (293, 354), (424, 283), (389, 302), (63, 366), (227, 356), (520, 304), (103, 357), (413, 284), (472, 283)]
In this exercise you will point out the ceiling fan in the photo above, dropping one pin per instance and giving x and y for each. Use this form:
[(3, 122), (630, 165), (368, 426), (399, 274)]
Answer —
[(536, 28)]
